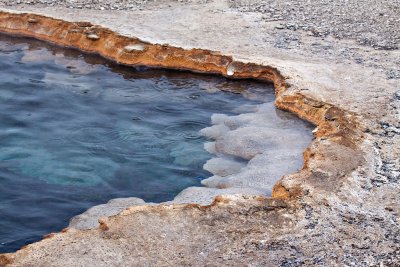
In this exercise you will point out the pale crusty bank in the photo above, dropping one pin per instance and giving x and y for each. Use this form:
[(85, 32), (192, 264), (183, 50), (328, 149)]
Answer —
[(341, 209)]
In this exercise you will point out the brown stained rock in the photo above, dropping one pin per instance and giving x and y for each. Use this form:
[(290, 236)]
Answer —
[(134, 47), (313, 103), (4, 260), (33, 20), (84, 24), (103, 224), (75, 30)]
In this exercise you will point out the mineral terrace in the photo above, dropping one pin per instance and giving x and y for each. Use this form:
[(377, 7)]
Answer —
[(334, 63)]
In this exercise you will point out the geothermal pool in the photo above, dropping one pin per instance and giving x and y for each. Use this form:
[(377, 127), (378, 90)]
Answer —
[(77, 130)]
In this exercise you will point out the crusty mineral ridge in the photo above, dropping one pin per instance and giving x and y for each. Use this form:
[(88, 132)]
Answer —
[(341, 209)]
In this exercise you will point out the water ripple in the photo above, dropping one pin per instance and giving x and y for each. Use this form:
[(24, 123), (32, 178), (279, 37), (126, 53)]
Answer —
[(93, 135), (187, 130)]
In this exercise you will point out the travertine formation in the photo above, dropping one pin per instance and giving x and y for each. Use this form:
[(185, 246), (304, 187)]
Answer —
[(342, 208)]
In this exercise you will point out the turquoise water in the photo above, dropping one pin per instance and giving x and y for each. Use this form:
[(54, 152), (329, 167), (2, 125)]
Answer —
[(77, 131)]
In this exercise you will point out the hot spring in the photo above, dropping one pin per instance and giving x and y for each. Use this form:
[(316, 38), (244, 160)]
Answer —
[(78, 130)]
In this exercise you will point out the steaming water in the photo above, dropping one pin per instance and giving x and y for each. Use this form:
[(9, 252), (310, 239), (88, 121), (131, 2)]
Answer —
[(77, 130)]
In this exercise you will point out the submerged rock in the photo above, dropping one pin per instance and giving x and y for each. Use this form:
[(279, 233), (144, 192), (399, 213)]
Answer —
[(90, 218), (223, 167), (205, 196), (272, 145)]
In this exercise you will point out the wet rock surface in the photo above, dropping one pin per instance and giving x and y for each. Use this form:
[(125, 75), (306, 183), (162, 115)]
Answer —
[(346, 212)]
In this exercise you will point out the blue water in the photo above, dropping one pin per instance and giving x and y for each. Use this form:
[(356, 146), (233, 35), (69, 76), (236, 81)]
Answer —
[(77, 131)]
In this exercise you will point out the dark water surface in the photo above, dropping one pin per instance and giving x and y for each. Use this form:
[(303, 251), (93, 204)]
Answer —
[(77, 130)]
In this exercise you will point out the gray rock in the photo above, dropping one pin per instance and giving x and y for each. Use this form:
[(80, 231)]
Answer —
[(397, 95)]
